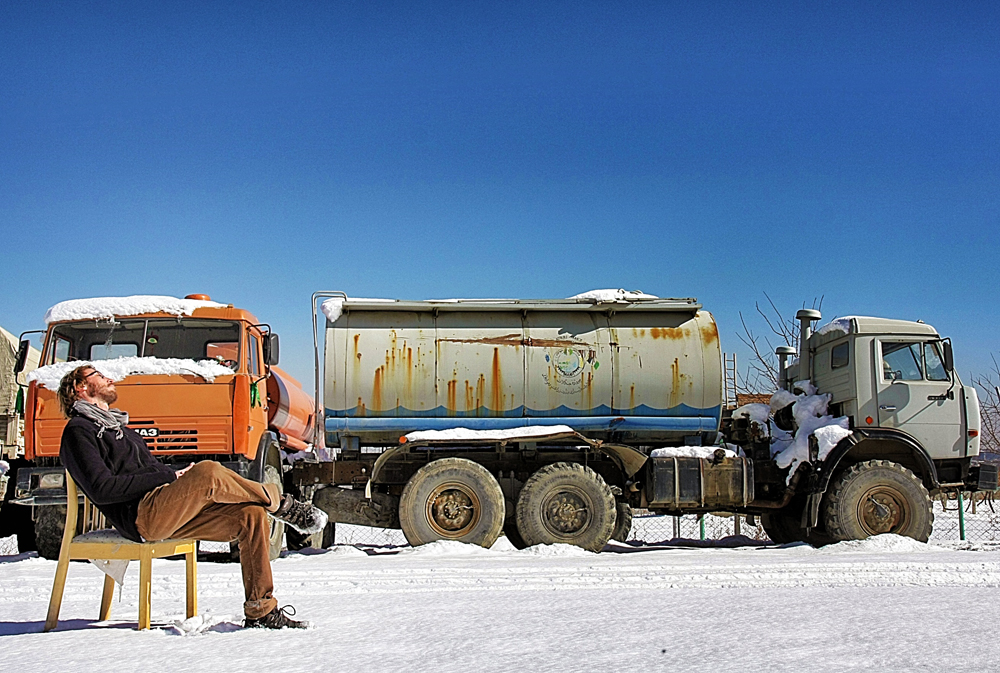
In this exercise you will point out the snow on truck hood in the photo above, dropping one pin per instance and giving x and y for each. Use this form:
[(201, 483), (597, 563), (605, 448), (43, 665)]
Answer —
[(117, 369), (98, 308)]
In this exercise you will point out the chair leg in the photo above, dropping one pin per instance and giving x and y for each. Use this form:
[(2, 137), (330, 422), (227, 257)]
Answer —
[(145, 588), (58, 585), (109, 592), (191, 563)]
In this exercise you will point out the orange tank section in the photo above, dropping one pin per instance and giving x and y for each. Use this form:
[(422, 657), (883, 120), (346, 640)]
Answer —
[(289, 410)]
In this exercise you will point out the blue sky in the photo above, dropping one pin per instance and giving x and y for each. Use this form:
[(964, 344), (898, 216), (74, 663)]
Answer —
[(258, 152)]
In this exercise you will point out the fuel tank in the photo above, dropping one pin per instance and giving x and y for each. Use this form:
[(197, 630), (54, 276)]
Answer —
[(645, 371), (289, 410)]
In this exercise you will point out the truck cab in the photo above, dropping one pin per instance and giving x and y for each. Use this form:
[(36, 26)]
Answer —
[(198, 379), (898, 377)]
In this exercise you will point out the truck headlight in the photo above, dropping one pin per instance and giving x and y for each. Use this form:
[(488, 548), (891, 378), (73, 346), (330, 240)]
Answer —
[(52, 480)]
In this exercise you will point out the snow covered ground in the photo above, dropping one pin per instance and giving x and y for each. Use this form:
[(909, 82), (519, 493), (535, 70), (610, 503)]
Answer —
[(888, 603)]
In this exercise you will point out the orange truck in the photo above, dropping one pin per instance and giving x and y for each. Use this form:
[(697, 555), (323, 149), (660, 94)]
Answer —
[(199, 380)]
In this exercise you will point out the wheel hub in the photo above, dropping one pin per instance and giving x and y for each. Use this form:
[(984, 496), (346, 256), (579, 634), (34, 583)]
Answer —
[(883, 510), (452, 510), (566, 513)]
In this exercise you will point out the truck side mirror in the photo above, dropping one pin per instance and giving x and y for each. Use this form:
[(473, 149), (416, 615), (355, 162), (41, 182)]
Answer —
[(22, 356), (949, 357), (271, 350)]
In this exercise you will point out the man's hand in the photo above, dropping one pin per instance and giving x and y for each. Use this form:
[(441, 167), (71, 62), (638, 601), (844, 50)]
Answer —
[(181, 471)]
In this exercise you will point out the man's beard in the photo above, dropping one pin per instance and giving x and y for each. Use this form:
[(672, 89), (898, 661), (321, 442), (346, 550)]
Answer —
[(107, 395)]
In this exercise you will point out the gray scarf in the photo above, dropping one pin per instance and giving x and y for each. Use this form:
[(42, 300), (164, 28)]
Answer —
[(110, 419)]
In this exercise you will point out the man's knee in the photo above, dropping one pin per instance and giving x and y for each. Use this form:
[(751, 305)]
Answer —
[(207, 468)]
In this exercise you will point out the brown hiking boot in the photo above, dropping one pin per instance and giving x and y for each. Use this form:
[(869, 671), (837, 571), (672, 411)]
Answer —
[(278, 618), (301, 516)]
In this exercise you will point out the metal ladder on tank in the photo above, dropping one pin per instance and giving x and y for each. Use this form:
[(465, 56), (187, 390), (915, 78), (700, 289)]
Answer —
[(729, 379)]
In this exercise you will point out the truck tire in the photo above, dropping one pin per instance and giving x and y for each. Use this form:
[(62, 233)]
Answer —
[(50, 520), (324, 539), (566, 503), (513, 535), (452, 499), (277, 535), (877, 496), (784, 525), (623, 522)]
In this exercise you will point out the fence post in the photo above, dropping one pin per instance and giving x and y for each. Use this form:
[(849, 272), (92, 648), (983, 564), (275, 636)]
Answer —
[(701, 526), (961, 517), (677, 527), (736, 524)]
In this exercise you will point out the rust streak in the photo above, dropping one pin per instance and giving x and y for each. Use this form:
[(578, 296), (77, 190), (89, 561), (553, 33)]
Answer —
[(480, 392), (514, 340), (668, 332), (675, 388), (631, 397), (710, 333), (470, 398), (377, 389), (496, 385), (361, 407), (452, 390)]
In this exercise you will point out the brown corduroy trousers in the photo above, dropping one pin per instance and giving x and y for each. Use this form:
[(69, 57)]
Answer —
[(211, 502)]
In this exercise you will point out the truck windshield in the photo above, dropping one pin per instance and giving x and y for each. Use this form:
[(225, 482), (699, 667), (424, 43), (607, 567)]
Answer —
[(217, 340)]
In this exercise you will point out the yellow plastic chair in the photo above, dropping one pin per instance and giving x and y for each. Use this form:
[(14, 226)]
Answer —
[(97, 542)]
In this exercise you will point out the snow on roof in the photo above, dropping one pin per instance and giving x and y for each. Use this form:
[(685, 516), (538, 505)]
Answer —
[(110, 307), (837, 325), (466, 434), (334, 307), (614, 295), (117, 369)]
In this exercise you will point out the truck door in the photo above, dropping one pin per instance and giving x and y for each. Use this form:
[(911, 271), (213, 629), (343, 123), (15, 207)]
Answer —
[(916, 395)]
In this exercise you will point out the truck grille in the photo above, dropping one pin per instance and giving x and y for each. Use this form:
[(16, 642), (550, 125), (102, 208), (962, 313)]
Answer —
[(204, 435)]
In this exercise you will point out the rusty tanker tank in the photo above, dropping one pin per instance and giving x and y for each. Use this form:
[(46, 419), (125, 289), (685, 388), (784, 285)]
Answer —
[(644, 371)]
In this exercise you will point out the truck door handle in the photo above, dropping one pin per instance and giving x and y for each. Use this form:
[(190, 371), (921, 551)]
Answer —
[(887, 407)]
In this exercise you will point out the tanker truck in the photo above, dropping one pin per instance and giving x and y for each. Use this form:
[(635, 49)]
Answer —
[(550, 420), (198, 378)]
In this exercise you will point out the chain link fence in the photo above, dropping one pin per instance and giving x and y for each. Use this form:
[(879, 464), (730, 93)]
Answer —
[(980, 519)]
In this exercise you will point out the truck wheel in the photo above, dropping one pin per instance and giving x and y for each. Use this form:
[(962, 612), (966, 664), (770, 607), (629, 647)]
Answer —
[(623, 522), (513, 534), (277, 535), (452, 499), (566, 503), (877, 496), (50, 520), (321, 540), (784, 526)]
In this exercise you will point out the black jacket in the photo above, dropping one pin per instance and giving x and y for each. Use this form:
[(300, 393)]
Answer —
[(114, 473)]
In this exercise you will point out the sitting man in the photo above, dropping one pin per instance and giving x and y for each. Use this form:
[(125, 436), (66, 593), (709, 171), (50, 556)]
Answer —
[(142, 497)]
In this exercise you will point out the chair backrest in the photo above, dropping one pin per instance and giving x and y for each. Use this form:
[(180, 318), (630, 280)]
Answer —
[(92, 517)]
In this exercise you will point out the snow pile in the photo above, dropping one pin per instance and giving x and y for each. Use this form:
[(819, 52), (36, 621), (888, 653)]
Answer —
[(199, 624), (881, 544), (690, 452), (333, 308), (117, 369), (466, 434), (757, 412), (837, 325), (106, 308), (614, 295), (555, 550), (811, 418), (444, 548)]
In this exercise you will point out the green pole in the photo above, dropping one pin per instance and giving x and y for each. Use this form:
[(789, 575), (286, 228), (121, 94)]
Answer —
[(701, 526), (961, 517)]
